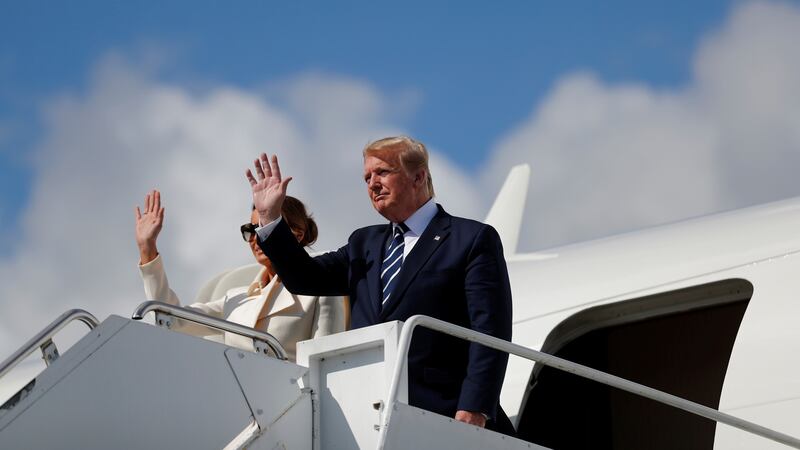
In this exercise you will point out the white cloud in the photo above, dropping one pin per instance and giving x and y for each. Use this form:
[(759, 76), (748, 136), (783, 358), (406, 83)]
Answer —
[(610, 158), (748, 80)]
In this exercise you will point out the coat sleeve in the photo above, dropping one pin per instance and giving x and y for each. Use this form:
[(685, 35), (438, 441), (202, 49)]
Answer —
[(329, 316), (156, 287), (488, 296), (322, 275)]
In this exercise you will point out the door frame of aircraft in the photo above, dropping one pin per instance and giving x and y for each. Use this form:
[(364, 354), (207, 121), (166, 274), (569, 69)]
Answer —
[(678, 341)]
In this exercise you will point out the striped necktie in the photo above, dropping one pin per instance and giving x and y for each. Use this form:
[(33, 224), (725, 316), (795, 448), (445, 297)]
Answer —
[(392, 261)]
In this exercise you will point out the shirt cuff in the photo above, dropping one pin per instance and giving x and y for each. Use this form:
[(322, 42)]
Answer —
[(264, 231)]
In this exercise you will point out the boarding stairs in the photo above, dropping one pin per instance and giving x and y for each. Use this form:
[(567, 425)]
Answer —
[(132, 384)]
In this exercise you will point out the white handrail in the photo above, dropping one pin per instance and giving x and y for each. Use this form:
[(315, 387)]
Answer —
[(564, 365)]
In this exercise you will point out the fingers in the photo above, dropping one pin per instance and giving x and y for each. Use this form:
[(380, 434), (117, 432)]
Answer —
[(161, 215), (266, 165), (285, 183), (250, 178), (259, 169), (152, 204), (471, 418), (276, 169), (266, 168)]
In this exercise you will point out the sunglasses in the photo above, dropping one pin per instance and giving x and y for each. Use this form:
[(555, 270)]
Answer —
[(248, 231)]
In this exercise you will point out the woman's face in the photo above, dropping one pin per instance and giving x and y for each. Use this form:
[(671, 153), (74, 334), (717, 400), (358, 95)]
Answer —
[(261, 258)]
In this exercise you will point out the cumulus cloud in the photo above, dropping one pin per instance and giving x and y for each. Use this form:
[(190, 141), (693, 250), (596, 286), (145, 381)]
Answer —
[(105, 148), (610, 158)]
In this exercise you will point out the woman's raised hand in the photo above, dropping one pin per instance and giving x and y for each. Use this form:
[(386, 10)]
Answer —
[(148, 225), (269, 188)]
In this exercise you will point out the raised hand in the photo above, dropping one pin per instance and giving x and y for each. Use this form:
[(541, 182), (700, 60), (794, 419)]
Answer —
[(148, 225), (269, 189)]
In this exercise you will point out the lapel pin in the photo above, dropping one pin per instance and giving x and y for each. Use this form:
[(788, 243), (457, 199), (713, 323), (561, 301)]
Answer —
[(436, 238)]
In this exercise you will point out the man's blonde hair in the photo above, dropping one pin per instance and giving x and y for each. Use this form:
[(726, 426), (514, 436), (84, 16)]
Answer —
[(412, 154)]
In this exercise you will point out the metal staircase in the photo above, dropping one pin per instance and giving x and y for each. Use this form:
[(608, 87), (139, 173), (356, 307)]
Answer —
[(129, 384)]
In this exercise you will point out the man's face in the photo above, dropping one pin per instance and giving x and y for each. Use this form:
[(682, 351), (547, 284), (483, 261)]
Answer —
[(393, 192)]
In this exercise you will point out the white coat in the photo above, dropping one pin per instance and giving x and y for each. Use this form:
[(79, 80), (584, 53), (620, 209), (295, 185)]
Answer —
[(272, 308)]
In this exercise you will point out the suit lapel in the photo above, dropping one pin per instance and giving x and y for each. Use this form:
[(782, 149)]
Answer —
[(433, 236), (245, 312), (272, 293)]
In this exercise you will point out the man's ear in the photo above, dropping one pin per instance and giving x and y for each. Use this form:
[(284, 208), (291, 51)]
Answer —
[(420, 178)]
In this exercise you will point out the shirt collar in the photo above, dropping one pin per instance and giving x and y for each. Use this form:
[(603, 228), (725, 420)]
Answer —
[(422, 217)]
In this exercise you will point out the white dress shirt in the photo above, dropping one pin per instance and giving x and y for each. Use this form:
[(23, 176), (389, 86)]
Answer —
[(417, 224)]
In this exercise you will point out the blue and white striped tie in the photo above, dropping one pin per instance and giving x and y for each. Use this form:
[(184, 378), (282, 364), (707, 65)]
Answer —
[(393, 261)]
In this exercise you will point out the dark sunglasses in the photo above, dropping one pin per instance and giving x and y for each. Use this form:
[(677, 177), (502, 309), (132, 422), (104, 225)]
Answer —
[(248, 231)]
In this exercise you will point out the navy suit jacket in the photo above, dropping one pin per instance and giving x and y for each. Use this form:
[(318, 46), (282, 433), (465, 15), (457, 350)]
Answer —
[(455, 272)]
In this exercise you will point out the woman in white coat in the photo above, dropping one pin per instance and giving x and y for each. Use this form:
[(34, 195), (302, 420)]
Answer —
[(265, 304)]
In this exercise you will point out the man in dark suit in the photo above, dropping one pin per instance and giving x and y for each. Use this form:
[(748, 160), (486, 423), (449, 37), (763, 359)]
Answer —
[(424, 262)]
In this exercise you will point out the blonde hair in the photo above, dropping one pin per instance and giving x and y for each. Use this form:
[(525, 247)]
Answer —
[(412, 154)]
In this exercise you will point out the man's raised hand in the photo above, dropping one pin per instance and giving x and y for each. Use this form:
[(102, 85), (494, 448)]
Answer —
[(269, 189)]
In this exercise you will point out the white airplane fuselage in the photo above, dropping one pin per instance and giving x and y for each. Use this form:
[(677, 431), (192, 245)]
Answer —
[(758, 245)]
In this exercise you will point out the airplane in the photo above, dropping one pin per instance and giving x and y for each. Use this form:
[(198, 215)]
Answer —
[(677, 336)]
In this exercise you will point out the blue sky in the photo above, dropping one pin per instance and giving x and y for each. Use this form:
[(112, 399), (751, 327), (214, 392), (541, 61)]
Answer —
[(477, 68)]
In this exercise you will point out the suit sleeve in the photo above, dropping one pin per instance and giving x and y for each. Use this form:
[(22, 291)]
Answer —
[(324, 275), (488, 296)]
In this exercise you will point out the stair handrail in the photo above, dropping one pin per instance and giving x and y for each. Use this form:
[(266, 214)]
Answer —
[(260, 338), (44, 339), (563, 365)]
